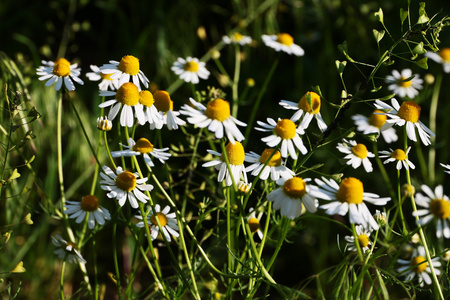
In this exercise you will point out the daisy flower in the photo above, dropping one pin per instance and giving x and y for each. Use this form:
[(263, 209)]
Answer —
[(88, 205), (106, 81), (104, 124), (407, 114), (127, 68), (144, 147), (403, 88), (60, 71), (274, 167), (190, 69), (147, 111), (124, 185), (167, 221), (290, 198), (348, 197), (253, 223), (309, 108), (442, 57), (216, 116), (237, 38), (380, 217), (285, 132), (283, 42), (397, 155), (446, 167), (418, 265), (363, 239), (67, 250), (236, 156), (127, 97), (373, 124), (165, 109), (436, 206), (357, 154)]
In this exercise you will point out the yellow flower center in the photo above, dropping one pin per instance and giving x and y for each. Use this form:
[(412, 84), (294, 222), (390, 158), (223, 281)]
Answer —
[(62, 61), (162, 101), (314, 99), (398, 154), (237, 36), (445, 54), (146, 98), (126, 181), (350, 190), (285, 129), (129, 64), (285, 39), (218, 110), (404, 84), (415, 261), (275, 161), (440, 208), (363, 240), (143, 146), (105, 76), (377, 120), (235, 153), (360, 151), (191, 66), (294, 187), (162, 218), (128, 94), (254, 224), (409, 111), (61, 67), (89, 203)]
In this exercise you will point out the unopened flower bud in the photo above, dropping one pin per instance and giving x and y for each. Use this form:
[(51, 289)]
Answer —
[(408, 190), (104, 124)]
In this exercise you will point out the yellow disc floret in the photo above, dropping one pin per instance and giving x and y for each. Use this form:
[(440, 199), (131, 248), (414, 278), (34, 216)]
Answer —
[(360, 150), (61, 67), (218, 109), (445, 54), (314, 99), (162, 218), (162, 101), (146, 98), (275, 161), (191, 66), (351, 191), (237, 36), (409, 111), (419, 264), (403, 83), (128, 94), (285, 129), (235, 153), (398, 154), (105, 76), (129, 65), (62, 61), (363, 240), (126, 181), (143, 146), (440, 208), (285, 39), (294, 187), (89, 203), (377, 120), (253, 223)]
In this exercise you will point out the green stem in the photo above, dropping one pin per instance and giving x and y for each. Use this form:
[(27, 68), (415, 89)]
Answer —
[(61, 283), (237, 71), (114, 246)]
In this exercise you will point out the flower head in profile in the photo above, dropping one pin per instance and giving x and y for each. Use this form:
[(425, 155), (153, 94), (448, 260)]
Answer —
[(168, 116), (348, 197), (67, 250), (216, 116), (106, 81), (128, 68), (363, 239), (398, 155), (236, 155), (285, 132), (401, 86), (146, 110), (442, 57), (408, 115), (357, 154), (274, 167), (143, 147), (167, 221), (104, 124), (253, 222), (124, 185), (291, 196), (308, 107), (283, 42), (87, 206), (418, 266), (59, 72), (190, 69), (237, 38), (373, 124)]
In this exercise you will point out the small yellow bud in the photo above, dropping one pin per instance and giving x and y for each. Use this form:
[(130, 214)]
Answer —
[(215, 54), (7, 236), (28, 220), (19, 268), (250, 82), (415, 239), (408, 190)]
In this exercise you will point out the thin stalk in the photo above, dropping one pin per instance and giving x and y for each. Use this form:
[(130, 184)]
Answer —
[(61, 282), (114, 246), (234, 87)]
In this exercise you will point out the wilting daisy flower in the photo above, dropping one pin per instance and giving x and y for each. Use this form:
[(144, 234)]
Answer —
[(286, 132), (380, 217), (291, 196), (147, 111), (403, 88), (447, 168), (363, 239), (60, 71), (442, 57), (237, 38), (87, 205), (124, 185), (106, 81), (274, 167), (357, 154), (407, 114), (309, 108), (397, 155), (283, 42), (167, 221), (165, 109), (437, 206), (418, 265), (236, 155), (127, 68), (253, 223), (373, 124), (127, 97), (190, 69), (144, 147), (348, 197), (216, 116), (67, 250)]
